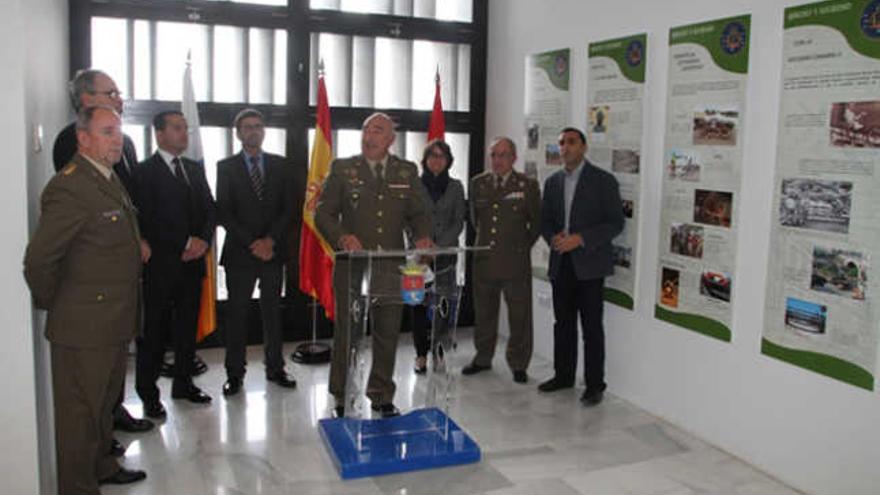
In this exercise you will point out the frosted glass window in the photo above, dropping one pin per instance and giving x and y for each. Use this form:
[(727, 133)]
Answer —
[(173, 41), (261, 44), (136, 133), (335, 51), (367, 6), (428, 58), (393, 63), (109, 54), (143, 70), (228, 64), (390, 73), (347, 142), (256, 2), (454, 10), (279, 72)]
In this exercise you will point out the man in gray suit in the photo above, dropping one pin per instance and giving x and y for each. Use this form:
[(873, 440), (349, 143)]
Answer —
[(367, 203), (581, 214)]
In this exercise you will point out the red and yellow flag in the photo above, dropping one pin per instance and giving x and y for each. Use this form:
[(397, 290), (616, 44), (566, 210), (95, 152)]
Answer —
[(315, 255)]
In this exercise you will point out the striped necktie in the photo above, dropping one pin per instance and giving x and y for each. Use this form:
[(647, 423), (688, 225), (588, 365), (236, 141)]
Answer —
[(256, 176)]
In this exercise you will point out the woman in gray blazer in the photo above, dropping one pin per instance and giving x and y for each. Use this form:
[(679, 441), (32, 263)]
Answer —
[(444, 197)]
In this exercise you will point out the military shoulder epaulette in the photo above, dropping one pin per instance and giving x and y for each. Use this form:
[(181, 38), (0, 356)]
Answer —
[(69, 169)]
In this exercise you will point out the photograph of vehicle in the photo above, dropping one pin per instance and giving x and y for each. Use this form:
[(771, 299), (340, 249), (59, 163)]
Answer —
[(715, 285), (715, 125), (816, 204), (805, 316)]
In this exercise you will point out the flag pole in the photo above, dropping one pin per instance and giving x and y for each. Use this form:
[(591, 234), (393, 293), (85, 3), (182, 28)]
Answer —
[(313, 352)]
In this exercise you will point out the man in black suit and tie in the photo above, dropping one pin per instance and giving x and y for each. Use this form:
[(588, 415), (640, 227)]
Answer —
[(581, 214), (91, 88), (255, 206), (177, 217)]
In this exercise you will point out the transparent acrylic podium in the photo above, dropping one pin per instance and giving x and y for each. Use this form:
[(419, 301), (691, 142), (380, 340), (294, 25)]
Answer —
[(379, 285)]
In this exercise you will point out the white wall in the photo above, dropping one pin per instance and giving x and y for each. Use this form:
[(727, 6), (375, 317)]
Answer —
[(34, 59), (816, 434)]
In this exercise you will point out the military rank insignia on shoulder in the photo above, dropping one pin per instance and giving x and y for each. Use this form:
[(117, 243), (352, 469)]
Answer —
[(69, 169)]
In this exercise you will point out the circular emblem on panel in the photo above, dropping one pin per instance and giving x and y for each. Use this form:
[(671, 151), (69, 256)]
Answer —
[(635, 53), (733, 38), (871, 19)]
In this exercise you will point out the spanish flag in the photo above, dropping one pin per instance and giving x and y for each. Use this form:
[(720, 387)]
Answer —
[(315, 255)]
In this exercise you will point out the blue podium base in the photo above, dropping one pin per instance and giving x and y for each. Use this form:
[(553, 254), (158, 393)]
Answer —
[(410, 442)]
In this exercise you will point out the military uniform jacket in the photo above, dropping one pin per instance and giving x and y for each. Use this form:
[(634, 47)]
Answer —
[(506, 220), (353, 202), (83, 262)]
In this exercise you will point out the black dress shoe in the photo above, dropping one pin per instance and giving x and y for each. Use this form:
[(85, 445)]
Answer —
[(281, 379), (555, 384), (132, 425), (520, 376), (192, 393), (590, 399), (123, 477), (154, 409), (116, 448), (474, 368), (387, 410), (232, 387), (198, 366)]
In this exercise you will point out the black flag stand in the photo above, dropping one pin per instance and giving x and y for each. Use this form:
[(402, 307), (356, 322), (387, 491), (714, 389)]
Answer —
[(312, 352)]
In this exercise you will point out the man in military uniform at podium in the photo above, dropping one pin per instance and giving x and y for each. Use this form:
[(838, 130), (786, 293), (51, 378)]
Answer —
[(366, 204)]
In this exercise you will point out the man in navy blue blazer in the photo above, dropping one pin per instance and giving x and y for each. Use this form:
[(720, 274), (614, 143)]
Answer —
[(581, 214)]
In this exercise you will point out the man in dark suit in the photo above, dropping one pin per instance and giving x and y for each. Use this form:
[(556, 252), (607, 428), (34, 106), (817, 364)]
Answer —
[(254, 204), (582, 213), (90, 88), (177, 217), (83, 265)]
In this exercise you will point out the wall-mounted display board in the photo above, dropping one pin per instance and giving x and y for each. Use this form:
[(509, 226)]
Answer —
[(615, 95), (547, 104), (702, 162), (822, 292)]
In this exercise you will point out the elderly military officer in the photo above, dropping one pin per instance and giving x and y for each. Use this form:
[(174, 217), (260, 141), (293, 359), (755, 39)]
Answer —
[(366, 204), (505, 210), (83, 265)]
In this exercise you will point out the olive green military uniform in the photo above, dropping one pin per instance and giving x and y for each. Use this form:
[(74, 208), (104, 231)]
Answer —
[(83, 265), (506, 220), (377, 211)]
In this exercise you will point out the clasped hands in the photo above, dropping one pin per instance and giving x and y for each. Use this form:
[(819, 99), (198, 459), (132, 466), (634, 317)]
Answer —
[(195, 249), (565, 242)]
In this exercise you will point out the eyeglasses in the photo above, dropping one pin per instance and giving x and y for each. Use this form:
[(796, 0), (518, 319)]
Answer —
[(112, 94)]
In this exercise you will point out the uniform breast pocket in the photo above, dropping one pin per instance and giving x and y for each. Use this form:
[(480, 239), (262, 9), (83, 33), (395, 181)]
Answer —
[(399, 191)]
